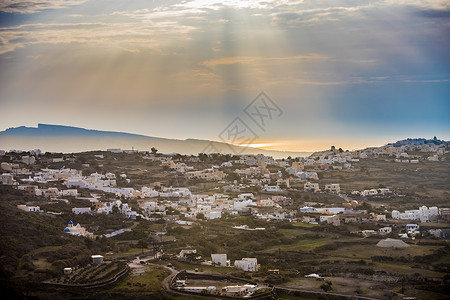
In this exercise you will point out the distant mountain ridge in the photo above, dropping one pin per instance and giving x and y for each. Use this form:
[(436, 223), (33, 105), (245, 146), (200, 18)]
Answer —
[(64, 130), (60, 138)]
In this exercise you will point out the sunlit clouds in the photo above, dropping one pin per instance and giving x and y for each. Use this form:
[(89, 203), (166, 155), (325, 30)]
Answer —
[(33, 6), (340, 70)]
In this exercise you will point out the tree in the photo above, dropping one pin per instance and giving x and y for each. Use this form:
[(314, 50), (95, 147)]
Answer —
[(326, 287), (203, 156), (154, 150), (142, 244), (200, 216), (233, 176)]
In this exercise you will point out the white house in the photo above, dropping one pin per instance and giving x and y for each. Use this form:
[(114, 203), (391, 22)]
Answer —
[(272, 188), (7, 179), (183, 192), (240, 204), (334, 220), (147, 192), (81, 210), (70, 192), (29, 160), (114, 150), (324, 218), (384, 191), (412, 228), (385, 230), (247, 264), (246, 196), (268, 203), (308, 186), (371, 192), (213, 214), (333, 187), (380, 217), (185, 253), (423, 214), (51, 192), (227, 164), (277, 216), (29, 208), (220, 260)]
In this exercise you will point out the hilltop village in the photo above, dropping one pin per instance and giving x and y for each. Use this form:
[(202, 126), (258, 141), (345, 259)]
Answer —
[(371, 222)]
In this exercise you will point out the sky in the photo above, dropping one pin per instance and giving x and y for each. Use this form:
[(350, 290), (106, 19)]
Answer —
[(346, 73)]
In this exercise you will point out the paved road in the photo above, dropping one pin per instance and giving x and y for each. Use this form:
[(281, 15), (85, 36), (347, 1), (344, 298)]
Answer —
[(166, 282)]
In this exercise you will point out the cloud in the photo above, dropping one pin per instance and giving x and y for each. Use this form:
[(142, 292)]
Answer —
[(434, 13), (255, 60), (33, 6), (116, 34), (204, 7), (237, 4), (426, 4), (321, 14)]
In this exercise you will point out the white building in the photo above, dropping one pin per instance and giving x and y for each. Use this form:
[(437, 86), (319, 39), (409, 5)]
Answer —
[(334, 220), (29, 208), (29, 160), (380, 217), (227, 164), (333, 187), (97, 259), (384, 191), (185, 253), (371, 192), (246, 196), (114, 150), (220, 260), (423, 214), (7, 179), (308, 186), (272, 188), (412, 228), (213, 214), (324, 218), (77, 230), (81, 210), (51, 193), (385, 230), (247, 264), (70, 192), (240, 204), (147, 192)]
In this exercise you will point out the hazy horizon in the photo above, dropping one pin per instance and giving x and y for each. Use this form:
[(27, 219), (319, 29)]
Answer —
[(76, 142)]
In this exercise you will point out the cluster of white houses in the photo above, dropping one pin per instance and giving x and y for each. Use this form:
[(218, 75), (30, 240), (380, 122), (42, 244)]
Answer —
[(314, 186), (157, 202), (423, 214), (248, 264)]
